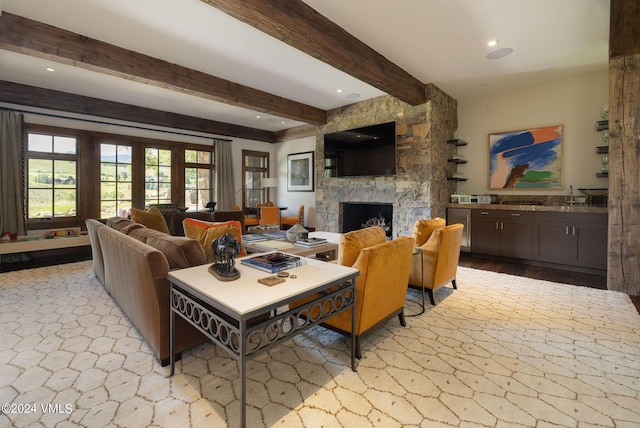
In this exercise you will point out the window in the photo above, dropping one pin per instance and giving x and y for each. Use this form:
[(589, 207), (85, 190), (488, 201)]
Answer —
[(115, 180), (198, 179), (255, 167), (52, 176), (157, 176)]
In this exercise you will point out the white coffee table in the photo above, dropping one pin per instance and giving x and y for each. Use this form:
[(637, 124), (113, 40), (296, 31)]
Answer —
[(226, 311)]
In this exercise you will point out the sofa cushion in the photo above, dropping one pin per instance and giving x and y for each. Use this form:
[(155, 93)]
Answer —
[(181, 252), (152, 218), (132, 226), (118, 223), (205, 232), (352, 242), (174, 220)]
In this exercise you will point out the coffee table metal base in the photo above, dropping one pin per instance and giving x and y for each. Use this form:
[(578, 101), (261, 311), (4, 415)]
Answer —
[(246, 337)]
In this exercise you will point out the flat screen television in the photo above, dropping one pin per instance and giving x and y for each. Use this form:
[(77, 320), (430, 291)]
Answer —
[(366, 151)]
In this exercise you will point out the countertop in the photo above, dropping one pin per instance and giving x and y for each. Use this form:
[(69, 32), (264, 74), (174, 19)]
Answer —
[(548, 208)]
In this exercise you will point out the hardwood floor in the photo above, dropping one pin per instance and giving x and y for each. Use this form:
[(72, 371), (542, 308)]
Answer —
[(536, 272)]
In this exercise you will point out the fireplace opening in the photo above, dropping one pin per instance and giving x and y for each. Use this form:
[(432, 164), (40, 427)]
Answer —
[(357, 216)]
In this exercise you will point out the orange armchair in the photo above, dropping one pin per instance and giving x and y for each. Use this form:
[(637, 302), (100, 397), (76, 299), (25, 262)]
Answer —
[(381, 288), (290, 221), (436, 264)]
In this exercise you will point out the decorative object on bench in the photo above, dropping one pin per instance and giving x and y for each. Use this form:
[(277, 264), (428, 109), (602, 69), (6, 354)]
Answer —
[(152, 218), (297, 232), (211, 206), (225, 249), (436, 262)]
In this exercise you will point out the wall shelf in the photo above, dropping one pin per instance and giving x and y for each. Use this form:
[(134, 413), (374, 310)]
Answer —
[(456, 159), (458, 142)]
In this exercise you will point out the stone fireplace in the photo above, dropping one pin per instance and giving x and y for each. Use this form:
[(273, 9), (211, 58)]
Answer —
[(359, 215), (419, 189)]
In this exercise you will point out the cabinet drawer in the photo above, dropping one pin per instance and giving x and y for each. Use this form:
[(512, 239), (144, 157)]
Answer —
[(502, 214)]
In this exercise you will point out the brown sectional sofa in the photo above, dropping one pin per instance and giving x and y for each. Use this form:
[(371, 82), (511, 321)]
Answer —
[(132, 262)]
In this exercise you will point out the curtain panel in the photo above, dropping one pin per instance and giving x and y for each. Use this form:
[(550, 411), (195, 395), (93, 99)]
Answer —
[(12, 209), (224, 176)]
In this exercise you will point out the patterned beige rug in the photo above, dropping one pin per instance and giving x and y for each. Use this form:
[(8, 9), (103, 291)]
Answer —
[(501, 351)]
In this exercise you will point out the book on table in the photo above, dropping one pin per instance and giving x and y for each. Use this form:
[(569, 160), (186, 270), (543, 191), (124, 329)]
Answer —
[(273, 262), (278, 234), (254, 237), (272, 245), (310, 242)]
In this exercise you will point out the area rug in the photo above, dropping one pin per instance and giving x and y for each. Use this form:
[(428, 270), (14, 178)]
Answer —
[(501, 351)]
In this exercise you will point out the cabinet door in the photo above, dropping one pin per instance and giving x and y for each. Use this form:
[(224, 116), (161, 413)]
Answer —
[(552, 243), (485, 237), (591, 246), (516, 237)]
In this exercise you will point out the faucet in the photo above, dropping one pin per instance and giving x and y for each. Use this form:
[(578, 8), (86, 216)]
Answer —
[(571, 201)]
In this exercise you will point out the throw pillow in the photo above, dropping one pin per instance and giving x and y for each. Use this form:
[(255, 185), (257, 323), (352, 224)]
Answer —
[(152, 218), (205, 232)]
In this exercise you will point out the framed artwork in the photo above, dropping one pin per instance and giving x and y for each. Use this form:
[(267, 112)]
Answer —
[(300, 172), (526, 159)]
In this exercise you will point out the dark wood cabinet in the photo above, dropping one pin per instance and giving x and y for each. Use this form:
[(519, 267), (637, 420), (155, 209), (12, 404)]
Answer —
[(575, 239), (502, 233)]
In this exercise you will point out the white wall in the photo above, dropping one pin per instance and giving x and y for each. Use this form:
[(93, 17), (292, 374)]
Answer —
[(573, 102), (293, 200)]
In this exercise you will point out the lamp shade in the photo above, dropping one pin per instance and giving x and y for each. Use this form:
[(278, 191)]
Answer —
[(269, 182)]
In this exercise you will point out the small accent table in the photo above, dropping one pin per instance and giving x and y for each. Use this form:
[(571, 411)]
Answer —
[(240, 317)]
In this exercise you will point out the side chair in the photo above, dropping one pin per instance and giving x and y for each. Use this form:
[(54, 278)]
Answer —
[(381, 288), (435, 263), (290, 221)]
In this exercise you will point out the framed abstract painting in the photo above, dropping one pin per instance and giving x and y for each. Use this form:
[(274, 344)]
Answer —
[(526, 159)]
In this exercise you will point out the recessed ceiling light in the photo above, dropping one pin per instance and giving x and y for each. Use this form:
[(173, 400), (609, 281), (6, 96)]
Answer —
[(258, 117), (339, 91), (50, 69), (499, 53), (492, 43)]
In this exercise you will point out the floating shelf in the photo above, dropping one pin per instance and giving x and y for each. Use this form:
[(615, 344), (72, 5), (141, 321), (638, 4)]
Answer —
[(457, 161), (602, 175), (457, 142), (456, 179), (602, 125), (602, 150)]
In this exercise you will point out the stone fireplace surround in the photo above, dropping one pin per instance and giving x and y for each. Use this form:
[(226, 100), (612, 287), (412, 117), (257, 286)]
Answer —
[(420, 188)]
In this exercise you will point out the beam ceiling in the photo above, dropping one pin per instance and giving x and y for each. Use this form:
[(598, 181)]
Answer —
[(299, 25), (34, 38)]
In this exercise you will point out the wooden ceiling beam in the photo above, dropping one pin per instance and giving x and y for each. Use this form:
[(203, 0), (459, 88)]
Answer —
[(22, 35), (623, 28), (16, 93), (297, 24)]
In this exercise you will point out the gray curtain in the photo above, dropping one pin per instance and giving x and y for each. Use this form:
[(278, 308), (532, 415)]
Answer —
[(12, 214), (224, 176)]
